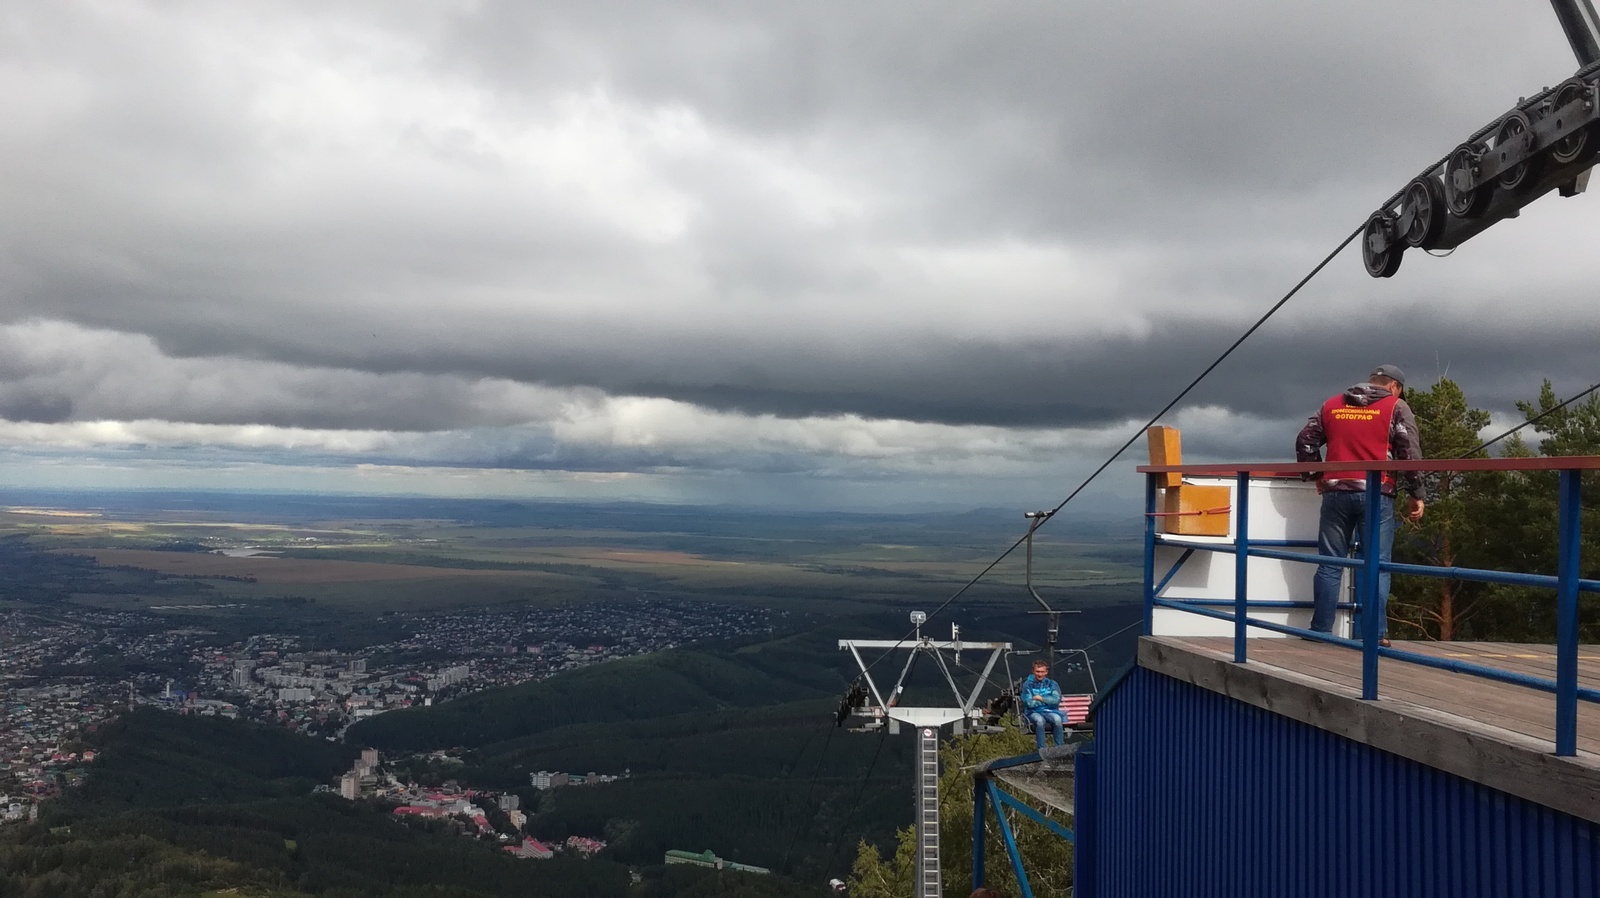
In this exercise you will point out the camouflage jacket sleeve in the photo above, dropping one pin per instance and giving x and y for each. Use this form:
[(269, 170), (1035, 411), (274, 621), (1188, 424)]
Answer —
[(1308, 445), (1405, 444)]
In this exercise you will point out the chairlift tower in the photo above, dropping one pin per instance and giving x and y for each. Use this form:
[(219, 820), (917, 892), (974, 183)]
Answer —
[(875, 712)]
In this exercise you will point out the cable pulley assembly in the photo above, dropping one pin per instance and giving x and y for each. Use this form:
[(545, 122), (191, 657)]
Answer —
[(1546, 142)]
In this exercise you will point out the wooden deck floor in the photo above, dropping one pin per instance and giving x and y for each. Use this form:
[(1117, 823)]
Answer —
[(1519, 709), (1049, 785)]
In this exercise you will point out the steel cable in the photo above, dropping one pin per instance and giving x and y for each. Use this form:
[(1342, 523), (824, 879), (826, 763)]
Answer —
[(844, 827), (807, 818), (1476, 136), (1534, 420), (1139, 432)]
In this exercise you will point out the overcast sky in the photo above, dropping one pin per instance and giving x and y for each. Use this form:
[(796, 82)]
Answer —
[(822, 254)]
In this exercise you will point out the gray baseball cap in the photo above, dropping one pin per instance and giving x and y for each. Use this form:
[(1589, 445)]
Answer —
[(1392, 372)]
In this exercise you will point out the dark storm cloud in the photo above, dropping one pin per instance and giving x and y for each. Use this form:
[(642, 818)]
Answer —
[(1283, 372), (416, 216), (36, 409), (1276, 374)]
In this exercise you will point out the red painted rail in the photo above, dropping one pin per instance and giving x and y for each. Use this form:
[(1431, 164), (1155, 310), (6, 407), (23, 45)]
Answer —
[(1269, 468)]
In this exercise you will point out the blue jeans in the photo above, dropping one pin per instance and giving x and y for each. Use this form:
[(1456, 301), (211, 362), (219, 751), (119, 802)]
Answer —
[(1040, 718), (1338, 530)]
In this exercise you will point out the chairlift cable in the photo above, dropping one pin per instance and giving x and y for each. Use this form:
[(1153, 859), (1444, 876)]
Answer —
[(806, 816), (1110, 637), (1481, 132), (1535, 419), (844, 827), (1141, 430)]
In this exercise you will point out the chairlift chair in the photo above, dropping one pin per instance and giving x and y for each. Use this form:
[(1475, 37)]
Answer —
[(1074, 707)]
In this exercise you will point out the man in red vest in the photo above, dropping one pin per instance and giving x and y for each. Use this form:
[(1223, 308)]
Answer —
[(1368, 422)]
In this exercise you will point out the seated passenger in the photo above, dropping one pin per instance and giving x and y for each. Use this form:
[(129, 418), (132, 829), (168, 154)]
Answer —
[(1041, 703)]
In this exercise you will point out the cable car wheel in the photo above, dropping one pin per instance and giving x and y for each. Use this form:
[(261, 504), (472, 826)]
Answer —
[(1514, 130), (1459, 170), (1381, 263), (1570, 148), (1424, 201)]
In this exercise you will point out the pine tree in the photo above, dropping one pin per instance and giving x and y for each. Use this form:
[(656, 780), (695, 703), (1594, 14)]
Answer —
[(1449, 532), (1502, 521), (1522, 521)]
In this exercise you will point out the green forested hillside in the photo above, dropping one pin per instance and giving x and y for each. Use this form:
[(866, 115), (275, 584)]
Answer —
[(182, 805), (728, 747), (619, 693), (768, 741), (153, 759), (793, 826)]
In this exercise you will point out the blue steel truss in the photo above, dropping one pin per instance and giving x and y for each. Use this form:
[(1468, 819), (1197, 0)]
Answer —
[(986, 794)]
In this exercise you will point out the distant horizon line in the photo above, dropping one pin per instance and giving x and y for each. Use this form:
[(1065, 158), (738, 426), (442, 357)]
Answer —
[(889, 511)]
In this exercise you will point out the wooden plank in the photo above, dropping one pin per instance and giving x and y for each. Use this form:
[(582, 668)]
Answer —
[(1539, 661), (1166, 448), (1494, 756), (1510, 711), (1497, 704), (1046, 785), (1501, 705), (1532, 660)]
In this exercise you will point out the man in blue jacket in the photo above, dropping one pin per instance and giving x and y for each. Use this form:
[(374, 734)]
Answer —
[(1041, 703)]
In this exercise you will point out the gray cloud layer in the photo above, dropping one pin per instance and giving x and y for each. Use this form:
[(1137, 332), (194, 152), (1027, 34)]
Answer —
[(419, 218)]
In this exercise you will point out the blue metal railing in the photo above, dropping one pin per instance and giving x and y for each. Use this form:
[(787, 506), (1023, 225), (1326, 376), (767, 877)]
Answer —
[(986, 795), (1566, 581)]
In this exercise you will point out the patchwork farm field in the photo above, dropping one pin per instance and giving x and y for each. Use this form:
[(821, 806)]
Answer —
[(421, 556), (273, 570)]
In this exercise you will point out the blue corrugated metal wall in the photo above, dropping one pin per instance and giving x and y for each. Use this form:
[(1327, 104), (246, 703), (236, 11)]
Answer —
[(1190, 793)]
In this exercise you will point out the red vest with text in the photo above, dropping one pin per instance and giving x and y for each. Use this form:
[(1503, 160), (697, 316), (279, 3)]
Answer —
[(1356, 433)]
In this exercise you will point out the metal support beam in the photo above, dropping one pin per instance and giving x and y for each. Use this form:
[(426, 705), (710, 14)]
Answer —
[(951, 680), (1010, 841), (1371, 556), (1176, 567), (887, 709), (983, 679), (1026, 810), (900, 684), (866, 669), (1149, 553), (1241, 567), (1570, 543), (1582, 28)]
